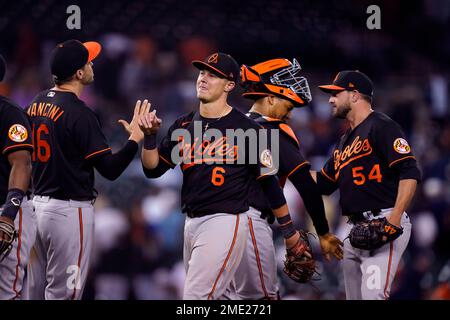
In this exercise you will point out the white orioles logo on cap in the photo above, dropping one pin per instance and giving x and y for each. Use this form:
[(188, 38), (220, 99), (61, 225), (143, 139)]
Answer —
[(266, 158), (401, 146), (18, 133)]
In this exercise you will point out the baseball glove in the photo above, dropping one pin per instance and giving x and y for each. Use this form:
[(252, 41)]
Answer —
[(373, 234), (297, 265), (7, 237)]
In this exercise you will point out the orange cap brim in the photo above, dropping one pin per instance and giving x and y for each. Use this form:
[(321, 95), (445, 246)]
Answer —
[(93, 48), (331, 88)]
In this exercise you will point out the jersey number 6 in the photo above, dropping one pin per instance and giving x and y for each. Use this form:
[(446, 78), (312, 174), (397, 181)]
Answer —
[(41, 146), (217, 178)]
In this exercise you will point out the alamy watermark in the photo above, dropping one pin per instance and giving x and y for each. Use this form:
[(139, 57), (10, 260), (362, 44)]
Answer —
[(373, 281), (74, 278), (74, 20), (374, 20)]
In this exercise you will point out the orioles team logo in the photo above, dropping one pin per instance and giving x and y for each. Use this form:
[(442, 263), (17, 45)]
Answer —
[(358, 149), (401, 146), (266, 158), (214, 58), (18, 133), (207, 151)]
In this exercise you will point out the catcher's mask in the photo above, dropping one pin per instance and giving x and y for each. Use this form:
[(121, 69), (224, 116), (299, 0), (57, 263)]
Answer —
[(279, 77)]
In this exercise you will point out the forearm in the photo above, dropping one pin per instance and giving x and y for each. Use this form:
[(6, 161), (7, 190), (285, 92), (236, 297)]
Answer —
[(19, 177), (274, 195), (277, 201), (156, 172), (111, 166), (312, 199), (150, 158), (150, 154), (406, 190), (281, 211), (325, 185)]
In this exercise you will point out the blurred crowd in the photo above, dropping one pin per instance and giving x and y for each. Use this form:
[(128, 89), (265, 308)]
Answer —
[(139, 226)]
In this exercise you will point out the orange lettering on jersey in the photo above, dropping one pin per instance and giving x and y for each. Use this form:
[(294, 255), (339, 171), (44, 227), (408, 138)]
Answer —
[(43, 109), (389, 229), (33, 110), (43, 112), (350, 153), (59, 115), (52, 113), (208, 152), (40, 108)]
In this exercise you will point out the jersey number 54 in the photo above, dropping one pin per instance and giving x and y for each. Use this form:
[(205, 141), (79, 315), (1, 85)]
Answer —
[(359, 178)]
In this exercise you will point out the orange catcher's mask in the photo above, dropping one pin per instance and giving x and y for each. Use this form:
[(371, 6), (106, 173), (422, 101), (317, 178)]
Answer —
[(279, 77)]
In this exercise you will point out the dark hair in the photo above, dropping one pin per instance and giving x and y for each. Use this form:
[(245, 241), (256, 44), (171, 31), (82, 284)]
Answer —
[(59, 82), (366, 98)]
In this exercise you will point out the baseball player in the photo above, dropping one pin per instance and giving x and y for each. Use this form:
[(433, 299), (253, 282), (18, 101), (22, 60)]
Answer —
[(15, 210), (69, 144), (214, 193), (277, 88), (376, 173)]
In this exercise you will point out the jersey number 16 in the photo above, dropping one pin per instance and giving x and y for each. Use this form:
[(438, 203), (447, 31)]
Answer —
[(41, 146)]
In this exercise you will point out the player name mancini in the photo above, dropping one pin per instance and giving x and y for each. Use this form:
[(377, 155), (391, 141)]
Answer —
[(43, 109)]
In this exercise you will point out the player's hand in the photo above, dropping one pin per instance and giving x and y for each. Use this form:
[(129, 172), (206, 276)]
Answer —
[(292, 241), (394, 219), (7, 219), (331, 245), (132, 128), (149, 123)]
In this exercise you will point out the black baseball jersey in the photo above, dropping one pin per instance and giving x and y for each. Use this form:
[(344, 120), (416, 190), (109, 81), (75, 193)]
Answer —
[(15, 134), (208, 187), (66, 135), (363, 164), (290, 157)]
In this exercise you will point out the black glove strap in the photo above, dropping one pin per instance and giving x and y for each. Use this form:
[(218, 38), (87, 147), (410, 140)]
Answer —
[(150, 142), (286, 226), (13, 202)]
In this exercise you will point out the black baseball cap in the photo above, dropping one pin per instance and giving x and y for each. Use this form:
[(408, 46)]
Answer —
[(221, 64), (2, 68), (72, 55), (350, 80)]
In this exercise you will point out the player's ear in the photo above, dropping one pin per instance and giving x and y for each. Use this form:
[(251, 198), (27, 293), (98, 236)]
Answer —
[(79, 74), (230, 86), (355, 96), (271, 99)]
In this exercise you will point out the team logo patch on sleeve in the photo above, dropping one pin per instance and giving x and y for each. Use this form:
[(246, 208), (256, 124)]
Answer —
[(401, 146), (18, 133), (266, 158)]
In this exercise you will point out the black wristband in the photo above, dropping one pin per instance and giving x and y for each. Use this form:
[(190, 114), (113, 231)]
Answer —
[(13, 202), (150, 142), (286, 226)]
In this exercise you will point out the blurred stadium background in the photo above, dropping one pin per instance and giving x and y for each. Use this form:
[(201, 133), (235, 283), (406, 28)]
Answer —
[(147, 49)]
